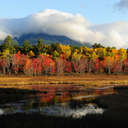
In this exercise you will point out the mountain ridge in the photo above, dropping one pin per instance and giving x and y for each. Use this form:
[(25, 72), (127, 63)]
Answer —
[(49, 39)]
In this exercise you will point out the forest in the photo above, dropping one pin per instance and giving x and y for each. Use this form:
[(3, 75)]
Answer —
[(42, 59)]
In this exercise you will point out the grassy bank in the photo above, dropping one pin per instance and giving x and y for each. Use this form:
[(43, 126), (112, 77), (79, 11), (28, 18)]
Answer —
[(88, 80)]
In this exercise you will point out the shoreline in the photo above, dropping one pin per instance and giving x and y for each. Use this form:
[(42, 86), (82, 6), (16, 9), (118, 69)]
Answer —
[(84, 80)]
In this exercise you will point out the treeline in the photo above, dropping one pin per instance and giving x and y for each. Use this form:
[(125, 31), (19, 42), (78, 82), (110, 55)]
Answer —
[(40, 58)]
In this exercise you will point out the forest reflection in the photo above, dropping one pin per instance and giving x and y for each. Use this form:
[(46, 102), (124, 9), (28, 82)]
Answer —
[(71, 100)]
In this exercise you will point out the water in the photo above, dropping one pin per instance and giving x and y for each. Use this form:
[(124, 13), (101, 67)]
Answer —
[(63, 101)]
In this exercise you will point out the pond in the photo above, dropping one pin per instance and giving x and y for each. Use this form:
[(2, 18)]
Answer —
[(57, 101)]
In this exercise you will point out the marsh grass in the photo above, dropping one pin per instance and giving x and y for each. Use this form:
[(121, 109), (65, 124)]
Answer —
[(87, 81)]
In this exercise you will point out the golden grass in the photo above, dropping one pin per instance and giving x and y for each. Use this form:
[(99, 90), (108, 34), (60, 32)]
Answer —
[(87, 80)]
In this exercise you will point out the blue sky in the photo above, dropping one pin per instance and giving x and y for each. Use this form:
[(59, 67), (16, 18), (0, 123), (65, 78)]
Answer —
[(95, 11), (102, 21)]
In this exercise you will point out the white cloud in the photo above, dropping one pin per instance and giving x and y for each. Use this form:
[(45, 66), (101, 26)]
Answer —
[(75, 27)]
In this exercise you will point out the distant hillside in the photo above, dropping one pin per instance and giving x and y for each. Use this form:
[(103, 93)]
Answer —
[(49, 39)]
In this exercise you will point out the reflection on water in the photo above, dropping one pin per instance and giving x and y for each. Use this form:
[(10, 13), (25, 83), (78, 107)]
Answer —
[(65, 101), (54, 110), (57, 110)]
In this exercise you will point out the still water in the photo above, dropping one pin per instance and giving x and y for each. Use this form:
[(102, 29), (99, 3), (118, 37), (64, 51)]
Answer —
[(65, 101)]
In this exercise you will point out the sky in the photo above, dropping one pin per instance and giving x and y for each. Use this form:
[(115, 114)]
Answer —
[(102, 21), (96, 11)]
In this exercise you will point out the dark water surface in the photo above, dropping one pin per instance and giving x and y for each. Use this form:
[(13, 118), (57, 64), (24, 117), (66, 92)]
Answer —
[(64, 106), (62, 101)]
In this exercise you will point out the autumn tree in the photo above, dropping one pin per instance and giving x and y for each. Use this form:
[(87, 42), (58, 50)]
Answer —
[(26, 46), (10, 44), (39, 46)]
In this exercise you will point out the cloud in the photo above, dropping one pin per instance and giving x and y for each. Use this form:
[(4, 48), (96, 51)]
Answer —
[(122, 4), (75, 27)]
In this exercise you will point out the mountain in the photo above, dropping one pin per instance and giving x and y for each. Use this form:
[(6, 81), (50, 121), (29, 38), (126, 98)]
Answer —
[(49, 39)]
